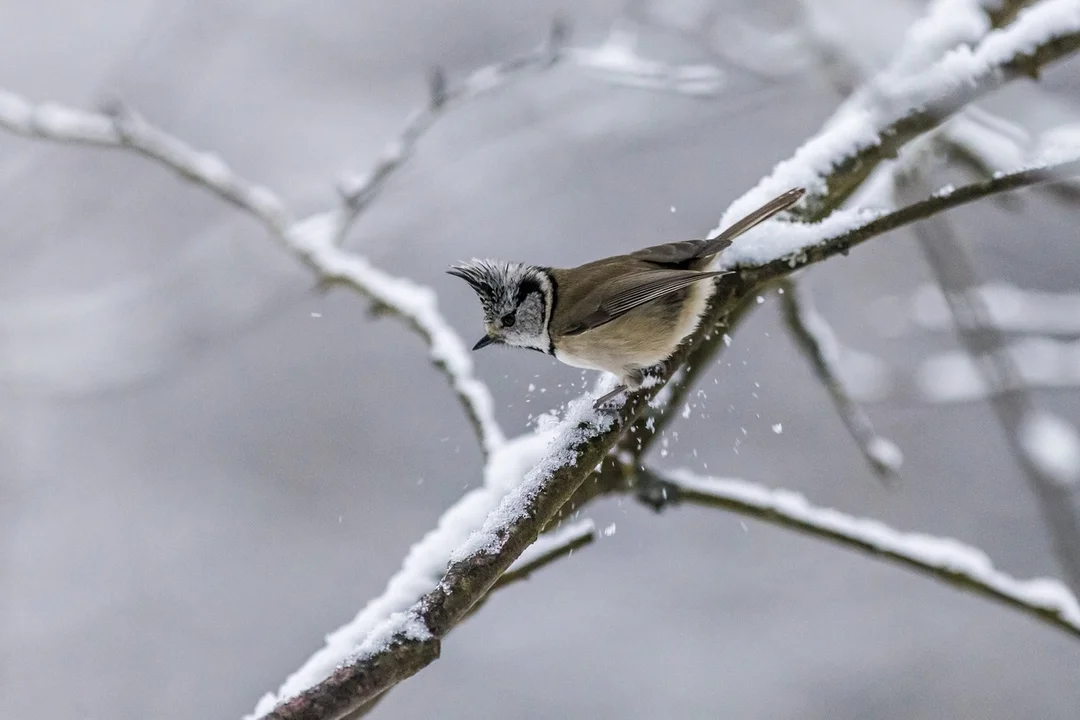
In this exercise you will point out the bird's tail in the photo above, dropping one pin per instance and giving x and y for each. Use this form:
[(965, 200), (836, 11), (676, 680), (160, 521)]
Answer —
[(763, 213)]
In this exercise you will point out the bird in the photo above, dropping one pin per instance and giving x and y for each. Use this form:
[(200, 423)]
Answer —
[(623, 314)]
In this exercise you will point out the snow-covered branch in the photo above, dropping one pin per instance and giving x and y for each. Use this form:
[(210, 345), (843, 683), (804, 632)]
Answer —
[(778, 249), (875, 125), (964, 566), (817, 342), (311, 239), (1021, 420), (409, 640)]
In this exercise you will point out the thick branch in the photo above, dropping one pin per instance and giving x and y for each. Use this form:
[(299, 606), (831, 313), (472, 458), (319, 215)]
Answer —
[(945, 559), (873, 127)]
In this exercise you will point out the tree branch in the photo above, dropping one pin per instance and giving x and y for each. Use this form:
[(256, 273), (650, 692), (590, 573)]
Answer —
[(876, 123), (1013, 406), (817, 342), (793, 246), (963, 566), (311, 239)]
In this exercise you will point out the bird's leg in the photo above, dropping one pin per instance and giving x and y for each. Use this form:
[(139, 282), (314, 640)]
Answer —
[(608, 396)]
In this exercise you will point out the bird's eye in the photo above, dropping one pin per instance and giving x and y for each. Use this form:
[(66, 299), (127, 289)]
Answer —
[(509, 319)]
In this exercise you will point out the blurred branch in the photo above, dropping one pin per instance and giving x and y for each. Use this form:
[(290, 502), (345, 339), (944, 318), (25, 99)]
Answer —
[(358, 191), (818, 344), (310, 239), (1012, 404), (962, 566)]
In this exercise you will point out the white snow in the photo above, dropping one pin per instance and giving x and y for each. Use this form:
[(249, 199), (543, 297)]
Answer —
[(1052, 445), (857, 124), (937, 552), (1058, 144), (778, 428), (617, 60), (580, 424), (422, 568), (885, 452), (609, 530)]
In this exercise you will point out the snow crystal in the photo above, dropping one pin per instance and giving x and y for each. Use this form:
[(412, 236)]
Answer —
[(778, 428), (609, 530), (1052, 445), (404, 624)]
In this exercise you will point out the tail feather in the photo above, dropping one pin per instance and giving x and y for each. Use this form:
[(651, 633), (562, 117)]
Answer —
[(763, 213)]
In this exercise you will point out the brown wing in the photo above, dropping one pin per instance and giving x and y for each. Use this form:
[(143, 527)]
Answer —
[(634, 290), (684, 253), (674, 255)]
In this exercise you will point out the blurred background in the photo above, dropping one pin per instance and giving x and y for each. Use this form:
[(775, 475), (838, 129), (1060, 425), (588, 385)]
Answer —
[(205, 465)]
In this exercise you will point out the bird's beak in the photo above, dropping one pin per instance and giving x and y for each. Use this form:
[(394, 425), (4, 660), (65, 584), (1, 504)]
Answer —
[(483, 342)]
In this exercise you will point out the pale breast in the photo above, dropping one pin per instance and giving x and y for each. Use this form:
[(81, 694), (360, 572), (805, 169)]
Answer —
[(640, 339)]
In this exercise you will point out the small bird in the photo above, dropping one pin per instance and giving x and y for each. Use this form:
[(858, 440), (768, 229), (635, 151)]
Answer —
[(623, 314)]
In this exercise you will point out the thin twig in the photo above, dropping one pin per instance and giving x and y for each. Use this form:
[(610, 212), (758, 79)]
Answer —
[(818, 344), (358, 191), (961, 565), (1012, 404)]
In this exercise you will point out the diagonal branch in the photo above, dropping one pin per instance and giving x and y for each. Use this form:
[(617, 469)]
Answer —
[(963, 566), (310, 238), (358, 191), (874, 126), (818, 343), (796, 245), (1013, 406)]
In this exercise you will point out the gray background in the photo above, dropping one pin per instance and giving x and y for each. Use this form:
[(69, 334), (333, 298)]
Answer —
[(198, 478)]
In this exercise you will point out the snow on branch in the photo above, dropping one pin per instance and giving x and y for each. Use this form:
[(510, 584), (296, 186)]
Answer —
[(860, 136), (962, 565), (772, 251), (818, 343), (777, 249), (1015, 409), (311, 239)]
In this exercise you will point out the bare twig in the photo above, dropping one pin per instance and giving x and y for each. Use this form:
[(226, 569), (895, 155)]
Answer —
[(358, 191), (818, 343), (1012, 404), (946, 559)]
